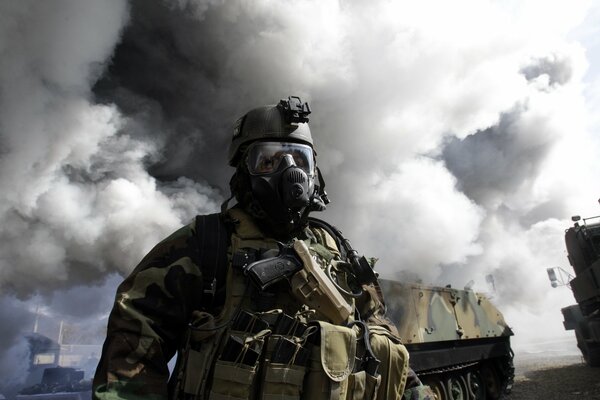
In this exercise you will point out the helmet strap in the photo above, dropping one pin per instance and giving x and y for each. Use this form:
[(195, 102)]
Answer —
[(321, 188)]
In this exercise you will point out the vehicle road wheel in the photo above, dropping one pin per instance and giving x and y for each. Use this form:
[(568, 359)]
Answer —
[(457, 387), (491, 382), (438, 388), (476, 386)]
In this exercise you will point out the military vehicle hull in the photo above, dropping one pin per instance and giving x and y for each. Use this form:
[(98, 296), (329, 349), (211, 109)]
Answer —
[(459, 343), (583, 247), (59, 383)]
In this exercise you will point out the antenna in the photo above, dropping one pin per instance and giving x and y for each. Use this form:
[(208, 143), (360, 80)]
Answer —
[(559, 277)]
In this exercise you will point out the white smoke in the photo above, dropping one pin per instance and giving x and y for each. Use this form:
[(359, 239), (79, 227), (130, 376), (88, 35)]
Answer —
[(77, 203), (455, 143)]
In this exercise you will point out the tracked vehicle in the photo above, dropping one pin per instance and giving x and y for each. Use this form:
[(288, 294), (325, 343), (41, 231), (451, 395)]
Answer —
[(582, 241), (458, 341), (59, 383)]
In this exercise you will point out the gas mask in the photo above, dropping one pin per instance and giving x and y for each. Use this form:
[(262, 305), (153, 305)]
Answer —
[(282, 180)]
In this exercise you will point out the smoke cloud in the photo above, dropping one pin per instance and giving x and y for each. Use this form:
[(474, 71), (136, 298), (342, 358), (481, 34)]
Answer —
[(78, 202), (15, 320), (453, 147)]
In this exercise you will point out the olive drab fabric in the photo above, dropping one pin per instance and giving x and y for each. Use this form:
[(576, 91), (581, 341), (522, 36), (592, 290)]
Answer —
[(150, 314), (394, 362), (254, 345)]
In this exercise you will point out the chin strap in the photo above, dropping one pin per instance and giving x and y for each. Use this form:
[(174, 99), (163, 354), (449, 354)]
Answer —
[(320, 200), (256, 210), (321, 193)]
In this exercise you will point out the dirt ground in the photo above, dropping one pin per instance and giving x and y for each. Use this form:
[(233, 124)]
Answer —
[(552, 377)]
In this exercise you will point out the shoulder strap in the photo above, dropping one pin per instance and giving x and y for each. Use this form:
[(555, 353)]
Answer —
[(213, 236), (335, 233)]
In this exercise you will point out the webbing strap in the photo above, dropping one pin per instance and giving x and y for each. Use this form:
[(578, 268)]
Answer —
[(213, 239), (335, 233)]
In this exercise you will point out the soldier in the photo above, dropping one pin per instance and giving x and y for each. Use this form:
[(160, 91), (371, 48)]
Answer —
[(259, 301)]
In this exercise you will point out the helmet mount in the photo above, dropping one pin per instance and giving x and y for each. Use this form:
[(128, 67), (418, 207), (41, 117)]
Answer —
[(294, 110)]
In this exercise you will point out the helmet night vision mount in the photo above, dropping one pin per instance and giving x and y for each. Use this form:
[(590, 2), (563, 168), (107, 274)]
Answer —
[(294, 110)]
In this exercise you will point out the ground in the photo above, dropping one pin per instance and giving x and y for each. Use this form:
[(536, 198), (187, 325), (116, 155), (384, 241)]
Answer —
[(550, 376)]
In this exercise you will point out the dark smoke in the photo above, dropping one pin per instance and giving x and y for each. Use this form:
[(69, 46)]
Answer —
[(498, 160), (441, 147)]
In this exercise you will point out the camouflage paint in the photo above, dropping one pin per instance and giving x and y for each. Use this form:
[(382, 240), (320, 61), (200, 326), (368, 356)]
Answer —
[(441, 313)]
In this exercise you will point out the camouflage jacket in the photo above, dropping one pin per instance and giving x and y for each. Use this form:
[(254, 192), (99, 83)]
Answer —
[(152, 309)]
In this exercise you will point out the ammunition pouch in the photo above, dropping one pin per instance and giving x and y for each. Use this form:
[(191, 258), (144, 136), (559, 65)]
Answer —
[(237, 365), (334, 373), (393, 358), (331, 362), (284, 368), (235, 370), (280, 358)]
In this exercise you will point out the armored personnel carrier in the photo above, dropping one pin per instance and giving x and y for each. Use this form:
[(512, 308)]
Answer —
[(583, 247), (458, 341)]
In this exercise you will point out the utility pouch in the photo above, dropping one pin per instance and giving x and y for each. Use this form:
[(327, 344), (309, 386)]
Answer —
[(331, 363), (393, 356), (284, 368)]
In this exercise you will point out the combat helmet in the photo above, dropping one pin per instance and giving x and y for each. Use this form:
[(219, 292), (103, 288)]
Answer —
[(286, 121)]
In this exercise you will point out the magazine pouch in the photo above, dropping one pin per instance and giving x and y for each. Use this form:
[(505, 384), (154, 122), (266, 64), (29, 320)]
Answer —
[(236, 368)]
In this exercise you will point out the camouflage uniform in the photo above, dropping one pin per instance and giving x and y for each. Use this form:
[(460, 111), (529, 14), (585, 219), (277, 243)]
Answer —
[(161, 308), (155, 304), (151, 311)]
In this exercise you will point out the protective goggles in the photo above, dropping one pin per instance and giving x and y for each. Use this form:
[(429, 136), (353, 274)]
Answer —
[(265, 157)]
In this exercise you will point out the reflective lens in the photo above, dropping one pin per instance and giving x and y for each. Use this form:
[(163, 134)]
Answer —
[(265, 157)]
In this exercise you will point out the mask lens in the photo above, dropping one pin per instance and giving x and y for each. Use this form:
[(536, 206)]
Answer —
[(265, 157)]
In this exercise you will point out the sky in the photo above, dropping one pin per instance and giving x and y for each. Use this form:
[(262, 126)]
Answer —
[(456, 139)]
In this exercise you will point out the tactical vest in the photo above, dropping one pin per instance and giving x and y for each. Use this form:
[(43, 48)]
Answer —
[(282, 343)]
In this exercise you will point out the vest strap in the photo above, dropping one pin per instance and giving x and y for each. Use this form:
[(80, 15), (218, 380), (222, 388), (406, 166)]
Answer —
[(213, 239)]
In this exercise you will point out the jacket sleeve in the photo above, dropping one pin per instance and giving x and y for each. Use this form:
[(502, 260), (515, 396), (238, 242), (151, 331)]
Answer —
[(149, 317)]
